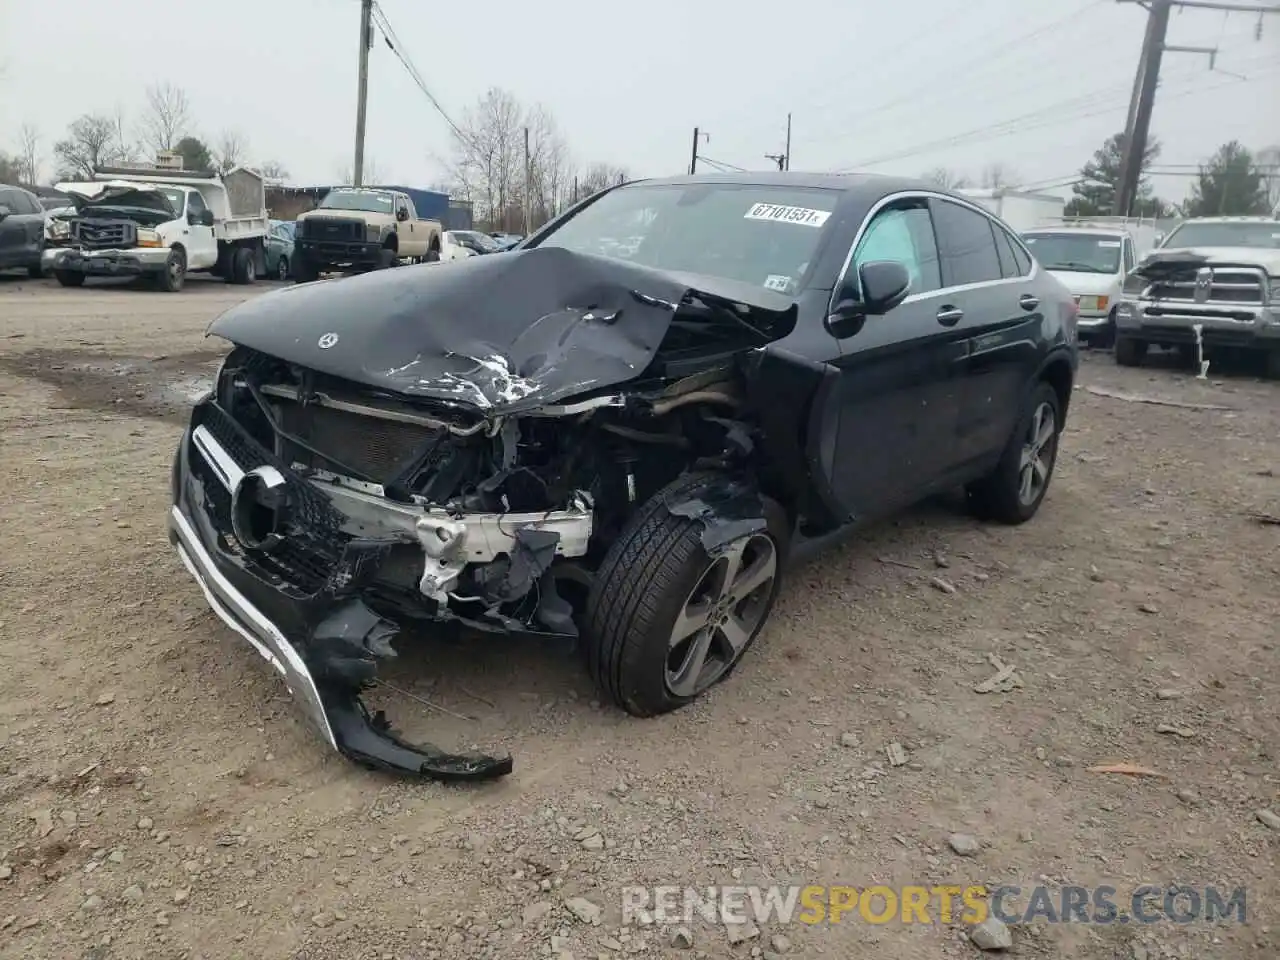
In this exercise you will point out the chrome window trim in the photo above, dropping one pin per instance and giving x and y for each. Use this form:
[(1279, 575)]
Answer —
[(957, 288)]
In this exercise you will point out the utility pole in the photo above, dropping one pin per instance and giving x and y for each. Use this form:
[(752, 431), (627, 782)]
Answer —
[(783, 160), (362, 95), (693, 158), (528, 178), (1142, 100), (1144, 97)]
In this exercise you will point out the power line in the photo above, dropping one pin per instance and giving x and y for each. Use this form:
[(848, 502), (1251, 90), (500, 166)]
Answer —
[(1045, 116), (987, 57), (721, 163), (396, 47)]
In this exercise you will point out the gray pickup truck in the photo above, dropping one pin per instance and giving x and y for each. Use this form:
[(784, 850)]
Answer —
[(1213, 283)]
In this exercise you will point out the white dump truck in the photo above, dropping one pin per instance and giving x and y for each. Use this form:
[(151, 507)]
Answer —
[(161, 224)]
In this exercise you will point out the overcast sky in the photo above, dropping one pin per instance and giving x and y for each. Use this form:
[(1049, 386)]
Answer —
[(897, 87)]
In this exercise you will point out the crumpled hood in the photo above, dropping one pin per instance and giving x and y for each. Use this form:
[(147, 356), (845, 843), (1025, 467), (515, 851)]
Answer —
[(123, 192), (497, 333), (1267, 259)]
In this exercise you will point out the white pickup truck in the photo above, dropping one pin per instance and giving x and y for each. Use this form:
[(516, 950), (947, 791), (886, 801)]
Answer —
[(160, 224)]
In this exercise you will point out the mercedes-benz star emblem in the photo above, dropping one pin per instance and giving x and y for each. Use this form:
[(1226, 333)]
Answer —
[(327, 341)]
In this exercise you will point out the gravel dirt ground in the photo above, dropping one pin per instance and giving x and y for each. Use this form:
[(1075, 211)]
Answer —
[(161, 796)]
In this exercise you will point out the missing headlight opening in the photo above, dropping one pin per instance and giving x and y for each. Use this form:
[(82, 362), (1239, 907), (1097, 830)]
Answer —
[(470, 460)]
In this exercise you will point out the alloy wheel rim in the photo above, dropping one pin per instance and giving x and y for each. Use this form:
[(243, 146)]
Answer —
[(1038, 450), (720, 615)]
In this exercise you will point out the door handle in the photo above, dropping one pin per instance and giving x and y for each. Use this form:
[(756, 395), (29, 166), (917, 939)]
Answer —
[(1028, 302), (949, 316)]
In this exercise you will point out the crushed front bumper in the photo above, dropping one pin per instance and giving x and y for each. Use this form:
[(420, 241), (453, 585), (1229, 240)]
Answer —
[(1213, 325), (325, 643), (106, 263)]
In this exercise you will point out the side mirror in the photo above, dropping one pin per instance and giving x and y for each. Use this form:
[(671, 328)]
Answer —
[(4, 211), (884, 285), (402, 215), (206, 218)]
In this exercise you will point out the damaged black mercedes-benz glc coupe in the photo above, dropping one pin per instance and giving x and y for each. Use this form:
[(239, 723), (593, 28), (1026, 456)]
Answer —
[(619, 434)]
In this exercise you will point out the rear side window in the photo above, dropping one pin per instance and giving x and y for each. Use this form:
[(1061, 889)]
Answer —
[(905, 235), (1008, 250), (967, 245), (29, 203)]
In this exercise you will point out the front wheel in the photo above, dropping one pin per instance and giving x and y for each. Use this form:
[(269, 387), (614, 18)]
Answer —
[(36, 271), (665, 620), (69, 278), (174, 274), (1129, 352), (1014, 490), (386, 258), (304, 271), (282, 269)]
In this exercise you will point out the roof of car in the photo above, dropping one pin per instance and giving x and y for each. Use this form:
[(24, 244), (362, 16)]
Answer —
[(862, 183)]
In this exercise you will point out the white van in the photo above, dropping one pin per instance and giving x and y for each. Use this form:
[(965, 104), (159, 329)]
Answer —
[(1092, 263)]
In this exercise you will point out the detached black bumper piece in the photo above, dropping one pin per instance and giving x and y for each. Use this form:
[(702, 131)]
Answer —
[(295, 596), (339, 251)]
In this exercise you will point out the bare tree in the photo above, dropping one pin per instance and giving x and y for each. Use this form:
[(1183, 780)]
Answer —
[(997, 175), (168, 115), (371, 175), (598, 176), (29, 153), (1268, 160), (549, 167), (488, 158), (947, 179), (126, 150), (273, 170), (91, 142), (230, 150)]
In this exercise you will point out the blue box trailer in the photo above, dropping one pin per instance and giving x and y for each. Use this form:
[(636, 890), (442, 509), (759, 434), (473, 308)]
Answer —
[(431, 205)]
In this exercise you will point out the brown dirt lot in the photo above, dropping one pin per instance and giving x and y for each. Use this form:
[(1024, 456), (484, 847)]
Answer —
[(162, 798)]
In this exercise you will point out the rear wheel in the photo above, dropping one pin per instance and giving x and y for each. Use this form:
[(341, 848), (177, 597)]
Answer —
[(243, 268), (666, 621), (1014, 490), (69, 278), (174, 274), (1129, 352), (1273, 364), (36, 271)]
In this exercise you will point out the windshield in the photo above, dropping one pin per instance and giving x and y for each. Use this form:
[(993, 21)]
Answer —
[(368, 200), (1079, 252), (175, 198), (1264, 233), (55, 203), (476, 237), (764, 235)]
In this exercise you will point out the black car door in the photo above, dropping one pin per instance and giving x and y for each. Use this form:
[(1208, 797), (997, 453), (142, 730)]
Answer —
[(898, 381), (17, 246), (1000, 317)]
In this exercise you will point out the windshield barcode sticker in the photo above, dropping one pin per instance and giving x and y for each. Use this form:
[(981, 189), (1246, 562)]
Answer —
[(801, 215), (777, 282), (1109, 244)]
